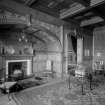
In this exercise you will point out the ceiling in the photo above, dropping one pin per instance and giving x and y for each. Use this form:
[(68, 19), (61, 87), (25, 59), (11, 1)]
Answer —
[(51, 7), (88, 13)]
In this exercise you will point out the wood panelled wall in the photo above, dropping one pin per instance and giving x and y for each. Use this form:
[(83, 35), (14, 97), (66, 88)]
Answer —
[(51, 50), (88, 51), (43, 52), (99, 45), (40, 61)]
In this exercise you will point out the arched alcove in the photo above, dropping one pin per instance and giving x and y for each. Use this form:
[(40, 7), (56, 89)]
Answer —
[(18, 36)]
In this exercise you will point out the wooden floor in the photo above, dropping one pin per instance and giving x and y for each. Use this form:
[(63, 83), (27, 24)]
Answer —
[(57, 93)]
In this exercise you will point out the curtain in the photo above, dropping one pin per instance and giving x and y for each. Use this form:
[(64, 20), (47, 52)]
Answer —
[(74, 43)]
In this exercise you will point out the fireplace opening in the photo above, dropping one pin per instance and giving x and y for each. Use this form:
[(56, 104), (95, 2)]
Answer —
[(15, 71), (18, 69)]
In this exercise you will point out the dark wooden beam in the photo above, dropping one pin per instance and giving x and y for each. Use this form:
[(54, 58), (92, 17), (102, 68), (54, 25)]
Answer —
[(81, 11), (95, 20), (95, 25), (47, 10), (99, 13), (40, 39), (83, 2), (29, 2), (84, 17), (21, 9), (34, 31)]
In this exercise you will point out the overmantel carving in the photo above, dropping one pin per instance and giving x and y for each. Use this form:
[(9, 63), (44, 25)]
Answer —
[(17, 57)]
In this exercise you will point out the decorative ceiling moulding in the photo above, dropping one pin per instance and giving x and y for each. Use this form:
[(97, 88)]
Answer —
[(7, 17)]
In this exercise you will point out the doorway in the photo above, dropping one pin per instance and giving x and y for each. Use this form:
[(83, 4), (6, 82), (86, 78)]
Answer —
[(74, 51)]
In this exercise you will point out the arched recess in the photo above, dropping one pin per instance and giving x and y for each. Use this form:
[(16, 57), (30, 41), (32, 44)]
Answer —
[(6, 19), (41, 56)]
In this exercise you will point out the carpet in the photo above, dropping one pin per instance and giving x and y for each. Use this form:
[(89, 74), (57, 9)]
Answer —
[(59, 94)]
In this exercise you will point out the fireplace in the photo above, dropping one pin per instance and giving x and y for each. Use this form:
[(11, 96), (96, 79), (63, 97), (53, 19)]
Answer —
[(24, 66)]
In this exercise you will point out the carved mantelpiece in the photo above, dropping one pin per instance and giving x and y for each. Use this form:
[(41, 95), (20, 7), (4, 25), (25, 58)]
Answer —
[(14, 56), (26, 62)]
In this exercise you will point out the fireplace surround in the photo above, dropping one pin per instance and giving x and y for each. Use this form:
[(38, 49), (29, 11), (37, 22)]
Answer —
[(24, 65)]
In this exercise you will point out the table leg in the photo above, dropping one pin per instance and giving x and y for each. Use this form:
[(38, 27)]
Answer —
[(90, 84), (82, 87), (8, 93)]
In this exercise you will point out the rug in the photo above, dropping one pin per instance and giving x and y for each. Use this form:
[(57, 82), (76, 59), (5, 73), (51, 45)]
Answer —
[(59, 94)]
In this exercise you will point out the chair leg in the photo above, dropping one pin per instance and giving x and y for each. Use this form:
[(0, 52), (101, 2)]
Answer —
[(69, 82), (90, 85), (82, 87)]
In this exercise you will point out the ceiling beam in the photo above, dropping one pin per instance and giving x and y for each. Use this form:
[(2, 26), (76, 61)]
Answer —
[(99, 13), (95, 25), (34, 32), (80, 10), (72, 11), (84, 18), (47, 10), (83, 2), (91, 21), (21, 9), (29, 2), (40, 39)]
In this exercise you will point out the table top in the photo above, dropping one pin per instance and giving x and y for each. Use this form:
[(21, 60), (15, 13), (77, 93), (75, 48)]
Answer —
[(7, 84)]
